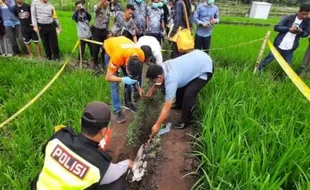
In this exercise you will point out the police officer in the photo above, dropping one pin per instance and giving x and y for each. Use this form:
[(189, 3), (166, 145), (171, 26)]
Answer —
[(79, 161)]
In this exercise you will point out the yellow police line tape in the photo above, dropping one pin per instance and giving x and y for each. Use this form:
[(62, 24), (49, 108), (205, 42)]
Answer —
[(42, 91), (167, 50), (304, 89)]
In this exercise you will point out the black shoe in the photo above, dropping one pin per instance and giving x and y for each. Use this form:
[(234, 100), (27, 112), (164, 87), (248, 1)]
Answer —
[(181, 125), (120, 118), (130, 107)]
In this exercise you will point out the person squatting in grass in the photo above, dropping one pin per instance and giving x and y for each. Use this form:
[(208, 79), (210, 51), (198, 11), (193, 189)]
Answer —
[(83, 18), (100, 30), (291, 28), (206, 16), (44, 20), (155, 20), (23, 12), (154, 45), (80, 161), (139, 16), (124, 24), (305, 61), (128, 56), (182, 78)]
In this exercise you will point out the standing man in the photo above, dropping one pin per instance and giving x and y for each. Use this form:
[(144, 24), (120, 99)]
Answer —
[(291, 28), (83, 18), (44, 20), (305, 61), (127, 56), (80, 161), (100, 30), (155, 20), (124, 24), (206, 16), (182, 79), (23, 12), (140, 17)]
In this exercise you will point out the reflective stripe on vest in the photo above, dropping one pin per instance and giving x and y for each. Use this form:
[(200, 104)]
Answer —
[(63, 169)]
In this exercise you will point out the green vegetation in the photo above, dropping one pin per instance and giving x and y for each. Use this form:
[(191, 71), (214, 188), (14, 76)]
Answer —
[(147, 112), (254, 133), (21, 140)]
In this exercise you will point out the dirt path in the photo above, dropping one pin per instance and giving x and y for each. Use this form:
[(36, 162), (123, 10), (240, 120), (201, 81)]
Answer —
[(118, 149), (172, 161)]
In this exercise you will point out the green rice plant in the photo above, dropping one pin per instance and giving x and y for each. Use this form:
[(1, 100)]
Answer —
[(147, 112), (22, 139), (254, 134)]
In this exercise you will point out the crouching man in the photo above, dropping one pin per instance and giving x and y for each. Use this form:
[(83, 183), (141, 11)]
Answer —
[(79, 161), (182, 79)]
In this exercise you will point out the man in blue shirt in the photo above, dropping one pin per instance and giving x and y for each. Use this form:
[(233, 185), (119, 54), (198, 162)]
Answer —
[(206, 15), (182, 78)]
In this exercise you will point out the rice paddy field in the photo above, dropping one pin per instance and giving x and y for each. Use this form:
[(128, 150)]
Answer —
[(254, 129)]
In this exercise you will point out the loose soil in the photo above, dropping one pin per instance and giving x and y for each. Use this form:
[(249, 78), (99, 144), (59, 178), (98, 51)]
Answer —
[(172, 162)]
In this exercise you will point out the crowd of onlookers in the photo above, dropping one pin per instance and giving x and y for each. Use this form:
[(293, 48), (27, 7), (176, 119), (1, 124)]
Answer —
[(21, 24)]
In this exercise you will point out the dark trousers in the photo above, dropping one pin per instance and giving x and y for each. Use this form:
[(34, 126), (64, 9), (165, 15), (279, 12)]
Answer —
[(49, 39), (286, 54), (175, 51), (186, 96), (83, 44), (202, 43), (157, 36), (99, 35), (14, 36), (306, 60)]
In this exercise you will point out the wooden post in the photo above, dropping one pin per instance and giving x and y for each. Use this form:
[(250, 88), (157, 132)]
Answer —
[(81, 57), (261, 52)]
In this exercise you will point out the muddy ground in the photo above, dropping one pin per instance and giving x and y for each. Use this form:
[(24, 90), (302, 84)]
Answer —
[(172, 162)]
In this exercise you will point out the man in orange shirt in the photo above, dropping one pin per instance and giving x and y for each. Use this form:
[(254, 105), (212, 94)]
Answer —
[(128, 56)]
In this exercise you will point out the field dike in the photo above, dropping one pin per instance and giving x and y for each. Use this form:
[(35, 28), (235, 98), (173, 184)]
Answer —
[(170, 161)]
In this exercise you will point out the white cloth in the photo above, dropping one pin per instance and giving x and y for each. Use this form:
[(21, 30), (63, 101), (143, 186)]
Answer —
[(114, 172), (154, 45), (288, 40)]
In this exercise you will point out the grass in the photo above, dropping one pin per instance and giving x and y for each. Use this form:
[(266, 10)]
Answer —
[(20, 152), (254, 133)]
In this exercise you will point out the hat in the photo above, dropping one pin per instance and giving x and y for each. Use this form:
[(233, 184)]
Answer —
[(97, 113)]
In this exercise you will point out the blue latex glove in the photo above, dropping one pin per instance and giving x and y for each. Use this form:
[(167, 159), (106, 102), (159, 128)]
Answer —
[(128, 81)]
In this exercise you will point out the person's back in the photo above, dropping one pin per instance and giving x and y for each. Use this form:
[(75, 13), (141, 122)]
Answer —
[(154, 45), (79, 161), (120, 49), (188, 67), (74, 156)]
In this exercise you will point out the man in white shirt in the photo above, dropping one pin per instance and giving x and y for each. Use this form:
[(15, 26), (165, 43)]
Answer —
[(290, 29), (154, 45)]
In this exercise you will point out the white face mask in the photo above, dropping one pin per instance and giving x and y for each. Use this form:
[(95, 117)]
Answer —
[(210, 2), (158, 83)]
